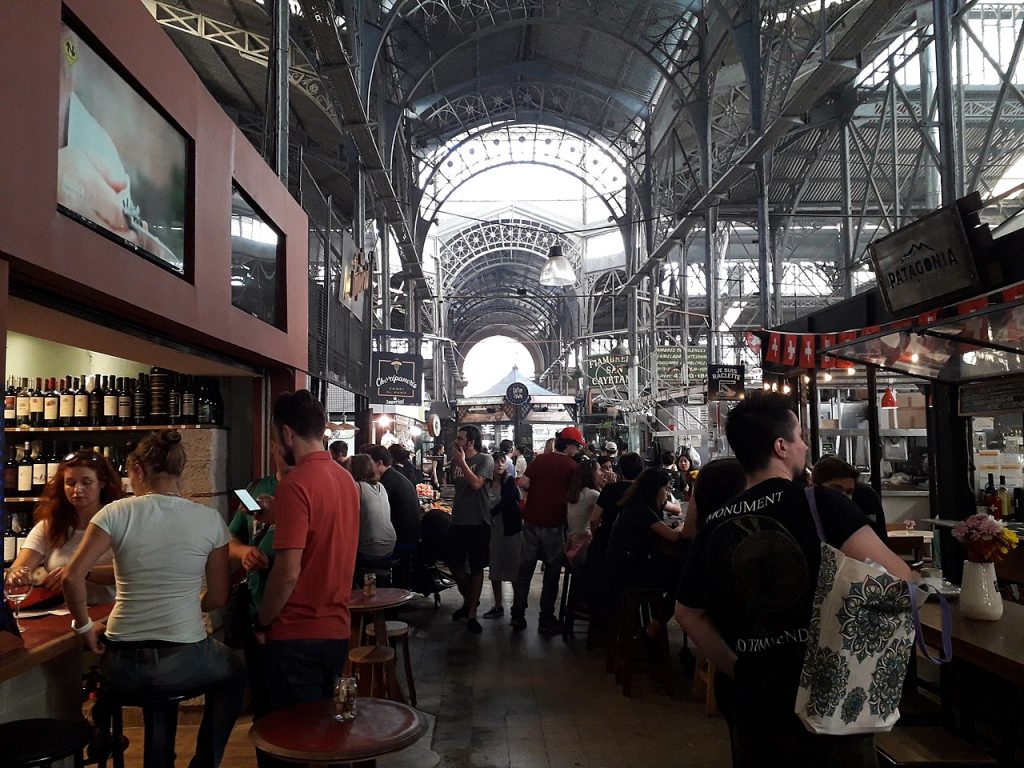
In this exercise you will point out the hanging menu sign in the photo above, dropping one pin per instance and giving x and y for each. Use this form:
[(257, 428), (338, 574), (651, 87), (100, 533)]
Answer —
[(697, 363), (925, 264), (725, 382), (991, 398), (396, 378), (670, 364)]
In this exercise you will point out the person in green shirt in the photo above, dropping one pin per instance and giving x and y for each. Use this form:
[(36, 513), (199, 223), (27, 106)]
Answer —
[(252, 548)]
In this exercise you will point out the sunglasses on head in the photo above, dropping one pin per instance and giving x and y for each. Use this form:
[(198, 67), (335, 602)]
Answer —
[(82, 455)]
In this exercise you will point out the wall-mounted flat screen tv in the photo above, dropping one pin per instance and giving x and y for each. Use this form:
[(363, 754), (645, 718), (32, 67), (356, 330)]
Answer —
[(122, 166)]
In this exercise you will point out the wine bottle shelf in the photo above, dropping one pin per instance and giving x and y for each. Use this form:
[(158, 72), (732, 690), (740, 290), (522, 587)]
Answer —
[(22, 499), (127, 428)]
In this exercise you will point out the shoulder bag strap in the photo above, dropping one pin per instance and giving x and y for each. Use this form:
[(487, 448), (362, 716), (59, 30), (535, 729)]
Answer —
[(947, 642), (812, 502)]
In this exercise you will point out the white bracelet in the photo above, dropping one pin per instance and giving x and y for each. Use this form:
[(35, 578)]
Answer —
[(82, 629)]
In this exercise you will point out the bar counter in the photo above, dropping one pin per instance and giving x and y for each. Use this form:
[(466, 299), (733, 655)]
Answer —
[(45, 678)]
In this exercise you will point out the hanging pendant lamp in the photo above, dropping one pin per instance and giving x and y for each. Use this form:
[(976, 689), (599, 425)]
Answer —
[(889, 398), (557, 271)]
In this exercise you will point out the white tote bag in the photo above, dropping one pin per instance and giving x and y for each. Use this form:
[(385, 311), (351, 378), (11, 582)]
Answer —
[(861, 634)]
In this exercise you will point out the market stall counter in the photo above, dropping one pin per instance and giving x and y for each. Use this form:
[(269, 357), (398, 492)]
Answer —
[(44, 679)]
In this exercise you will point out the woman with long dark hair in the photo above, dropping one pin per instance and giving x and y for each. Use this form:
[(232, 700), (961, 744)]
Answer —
[(155, 642), (84, 483), (634, 557)]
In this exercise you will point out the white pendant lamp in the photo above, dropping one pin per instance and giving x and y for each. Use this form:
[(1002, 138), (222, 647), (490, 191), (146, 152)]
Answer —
[(557, 271)]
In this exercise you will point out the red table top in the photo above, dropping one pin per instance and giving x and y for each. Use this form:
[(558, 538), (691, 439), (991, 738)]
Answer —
[(309, 733), (386, 597), (46, 638)]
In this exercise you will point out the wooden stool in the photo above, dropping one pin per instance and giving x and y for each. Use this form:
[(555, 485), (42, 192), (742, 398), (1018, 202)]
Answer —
[(374, 666), (117, 702), (41, 741), (928, 747), (398, 635), (704, 683), (634, 612)]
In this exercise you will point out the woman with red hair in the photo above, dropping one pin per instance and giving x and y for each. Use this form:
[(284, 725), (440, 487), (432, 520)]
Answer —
[(84, 483)]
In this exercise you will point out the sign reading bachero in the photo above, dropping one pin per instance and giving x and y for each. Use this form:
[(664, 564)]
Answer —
[(725, 382), (925, 264), (396, 378)]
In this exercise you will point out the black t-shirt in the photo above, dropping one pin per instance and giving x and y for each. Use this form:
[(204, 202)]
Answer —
[(632, 541), (608, 501), (754, 567), (405, 507)]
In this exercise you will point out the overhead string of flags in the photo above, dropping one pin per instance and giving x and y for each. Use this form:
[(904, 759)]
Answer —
[(810, 350)]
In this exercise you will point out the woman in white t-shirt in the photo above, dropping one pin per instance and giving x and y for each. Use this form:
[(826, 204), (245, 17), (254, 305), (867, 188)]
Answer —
[(84, 482), (155, 641), (377, 535)]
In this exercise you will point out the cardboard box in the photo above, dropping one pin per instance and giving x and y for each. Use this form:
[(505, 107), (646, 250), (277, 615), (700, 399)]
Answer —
[(828, 423), (913, 418)]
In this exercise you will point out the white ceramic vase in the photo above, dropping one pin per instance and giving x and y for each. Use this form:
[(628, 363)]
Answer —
[(979, 595)]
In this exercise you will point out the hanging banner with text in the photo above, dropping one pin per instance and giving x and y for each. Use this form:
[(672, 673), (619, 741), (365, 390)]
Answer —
[(396, 378), (697, 364), (725, 382), (670, 364), (608, 371)]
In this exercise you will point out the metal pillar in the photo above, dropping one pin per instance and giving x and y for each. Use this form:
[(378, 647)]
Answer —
[(846, 275), (711, 278), (278, 72), (384, 251), (931, 174), (764, 247), (949, 168)]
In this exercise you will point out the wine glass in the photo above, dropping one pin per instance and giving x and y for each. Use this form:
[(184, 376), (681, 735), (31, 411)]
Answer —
[(17, 586)]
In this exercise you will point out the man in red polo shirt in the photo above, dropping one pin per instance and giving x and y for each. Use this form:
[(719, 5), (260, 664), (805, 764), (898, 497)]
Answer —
[(304, 615), (546, 482)]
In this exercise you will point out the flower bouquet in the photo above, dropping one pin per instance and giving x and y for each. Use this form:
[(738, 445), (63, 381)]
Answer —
[(987, 539)]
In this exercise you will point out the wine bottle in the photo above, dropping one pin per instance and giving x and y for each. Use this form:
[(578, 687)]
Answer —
[(122, 467), (53, 462), (1004, 497), (174, 399), (188, 401), (11, 472), (38, 472), (140, 401), (23, 404), (124, 400), (66, 409), (35, 406), (216, 402), (51, 404), (110, 395), (203, 405), (158, 391), (10, 404), (95, 402), (10, 540), (991, 497), (25, 471), (81, 402)]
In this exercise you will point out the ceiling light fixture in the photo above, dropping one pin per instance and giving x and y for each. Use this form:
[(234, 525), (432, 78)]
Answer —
[(557, 271), (888, 398)]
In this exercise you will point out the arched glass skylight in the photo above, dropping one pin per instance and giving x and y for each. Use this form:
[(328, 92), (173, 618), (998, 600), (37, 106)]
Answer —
[(446, 168)]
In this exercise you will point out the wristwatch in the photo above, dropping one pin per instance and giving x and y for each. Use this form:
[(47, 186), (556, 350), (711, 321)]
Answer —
[(257, 627)]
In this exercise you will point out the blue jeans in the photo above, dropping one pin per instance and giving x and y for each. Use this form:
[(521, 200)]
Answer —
[(298, 671), (547, 545), (204, 666)]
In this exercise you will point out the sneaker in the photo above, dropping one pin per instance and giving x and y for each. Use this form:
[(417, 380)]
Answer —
[(495, 613), (474, 626), (549, 625), (462, 613), (518, 623)]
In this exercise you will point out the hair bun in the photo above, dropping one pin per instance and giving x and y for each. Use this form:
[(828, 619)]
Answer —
[(169, 437)]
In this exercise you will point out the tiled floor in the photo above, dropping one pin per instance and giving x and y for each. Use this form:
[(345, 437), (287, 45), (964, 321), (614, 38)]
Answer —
[(521, 700)]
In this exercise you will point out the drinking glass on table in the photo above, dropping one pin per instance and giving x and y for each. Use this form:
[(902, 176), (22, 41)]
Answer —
[(17, 586)]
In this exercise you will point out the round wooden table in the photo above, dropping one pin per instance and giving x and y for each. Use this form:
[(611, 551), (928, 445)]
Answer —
[(385, 599), (308, 733)]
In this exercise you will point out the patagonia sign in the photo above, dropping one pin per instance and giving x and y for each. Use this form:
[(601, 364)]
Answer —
[(925, 264)]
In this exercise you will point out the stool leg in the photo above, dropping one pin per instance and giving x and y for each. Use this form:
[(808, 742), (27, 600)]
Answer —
[(394, 690), (117, 737), (408, 670), (161, 721)]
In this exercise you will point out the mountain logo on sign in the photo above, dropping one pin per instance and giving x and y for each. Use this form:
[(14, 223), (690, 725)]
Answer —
[(915, 248)]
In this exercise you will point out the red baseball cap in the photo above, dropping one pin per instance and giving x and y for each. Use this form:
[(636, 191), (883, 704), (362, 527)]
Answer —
[(571, 433)]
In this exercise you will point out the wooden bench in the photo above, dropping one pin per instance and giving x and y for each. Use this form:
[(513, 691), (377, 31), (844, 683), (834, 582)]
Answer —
[(927, 746)]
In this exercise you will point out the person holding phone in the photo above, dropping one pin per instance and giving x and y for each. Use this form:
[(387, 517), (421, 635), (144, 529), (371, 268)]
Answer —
[(252, 548)]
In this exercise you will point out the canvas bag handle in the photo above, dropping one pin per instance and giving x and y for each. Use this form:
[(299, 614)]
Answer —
[(947, 619)]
